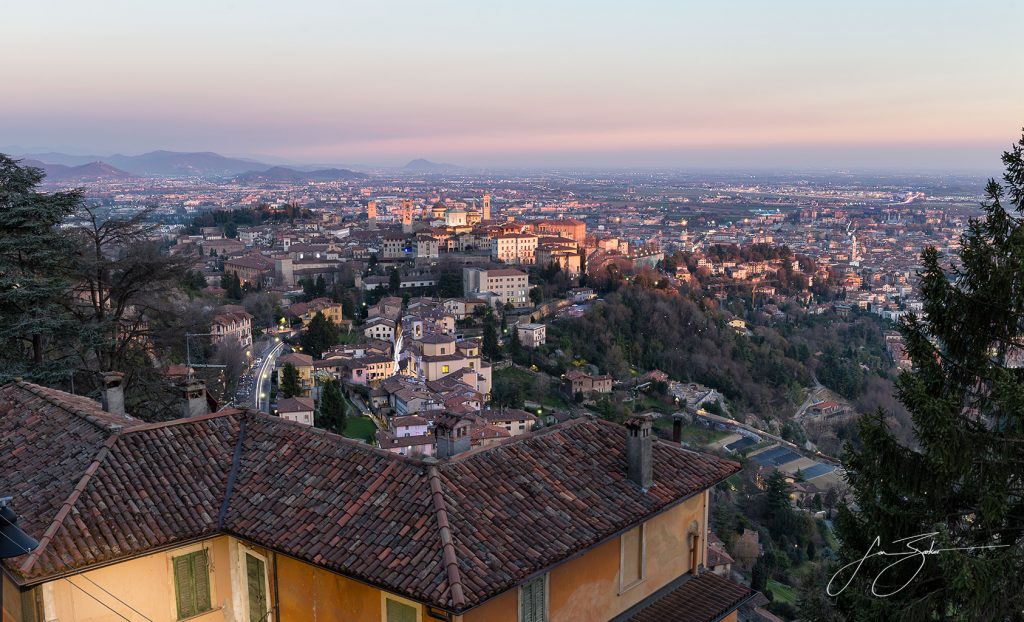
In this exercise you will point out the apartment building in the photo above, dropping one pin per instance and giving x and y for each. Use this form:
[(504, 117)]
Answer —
[(518, 248), (232, 323), (505, 285)]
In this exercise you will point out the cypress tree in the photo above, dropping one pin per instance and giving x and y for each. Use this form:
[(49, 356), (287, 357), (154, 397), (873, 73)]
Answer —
[(963, 478), (290, 386), (490, 348), (331, 411)]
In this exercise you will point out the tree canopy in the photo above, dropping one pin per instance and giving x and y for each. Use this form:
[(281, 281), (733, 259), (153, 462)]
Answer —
[(961, 477), (290, 386)]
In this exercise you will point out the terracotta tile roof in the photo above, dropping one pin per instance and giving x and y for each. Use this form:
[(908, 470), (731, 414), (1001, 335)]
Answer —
[(295, 404), (295, 358), (703, 598), (93, 492)]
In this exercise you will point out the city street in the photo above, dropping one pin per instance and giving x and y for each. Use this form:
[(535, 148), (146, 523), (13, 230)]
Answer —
[(261, 386), (254, 386)]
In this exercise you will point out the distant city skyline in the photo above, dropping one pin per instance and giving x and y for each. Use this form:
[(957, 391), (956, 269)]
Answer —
[(789, 85)]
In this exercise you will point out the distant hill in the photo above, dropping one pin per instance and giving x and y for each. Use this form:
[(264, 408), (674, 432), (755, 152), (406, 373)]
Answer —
[(161, 163), (282, 174), (420, 165), (174, 163), (91, 171), (193, 164)]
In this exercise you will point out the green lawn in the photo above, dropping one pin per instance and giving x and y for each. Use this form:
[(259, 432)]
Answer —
[(361, 428), (355, 336), (782, 592)]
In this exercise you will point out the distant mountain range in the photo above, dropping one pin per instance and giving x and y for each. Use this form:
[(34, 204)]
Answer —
[(159, 163), (281, 174), (91, 171), (62, 167)]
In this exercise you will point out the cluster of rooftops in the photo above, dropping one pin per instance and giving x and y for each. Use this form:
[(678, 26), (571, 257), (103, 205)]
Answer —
[(95, 488)]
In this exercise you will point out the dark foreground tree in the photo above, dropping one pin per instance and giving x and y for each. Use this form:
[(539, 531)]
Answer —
[(964, 478), (34, 262)]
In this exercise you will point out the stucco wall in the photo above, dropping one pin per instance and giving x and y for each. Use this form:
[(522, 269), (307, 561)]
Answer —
[(587, 588), (310, 594), (145, 584)]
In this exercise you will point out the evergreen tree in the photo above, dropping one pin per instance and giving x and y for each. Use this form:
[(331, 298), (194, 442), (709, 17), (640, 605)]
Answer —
[(759, 575), (394, 281), (308, 288), (962, 479), (536, 296), (233, 290), (490, 348), (331, 413), (290, 386), (33, 274), (449, 284), (780, 513), (515, 347), (320, 335)]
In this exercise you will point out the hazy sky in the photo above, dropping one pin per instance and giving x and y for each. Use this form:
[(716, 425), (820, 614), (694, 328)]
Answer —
[(486, 82)]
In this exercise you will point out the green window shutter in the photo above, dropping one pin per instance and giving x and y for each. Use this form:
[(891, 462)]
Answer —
[(532, 606), (201, 572), (192, 583), (399, 612), (256, 585), (184, 587)]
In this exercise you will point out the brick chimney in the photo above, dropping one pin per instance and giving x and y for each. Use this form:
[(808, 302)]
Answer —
[(193, 390), (113, 392), (638, 450), (677, 427), (451, 433)]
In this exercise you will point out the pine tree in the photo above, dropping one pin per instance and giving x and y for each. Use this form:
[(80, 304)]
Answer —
[(331, 410), (34, 271), (963, 477), (290, 386), (320, 335)]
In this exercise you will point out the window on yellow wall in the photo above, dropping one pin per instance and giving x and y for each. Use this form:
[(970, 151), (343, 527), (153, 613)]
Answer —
[(632, 558), (533, 600), (191, 583), (397, 609)]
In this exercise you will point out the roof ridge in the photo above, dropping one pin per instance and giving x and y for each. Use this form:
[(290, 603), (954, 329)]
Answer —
[(42, 393), (451, 561), (69, 503), (236, 462), (145, 427)]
